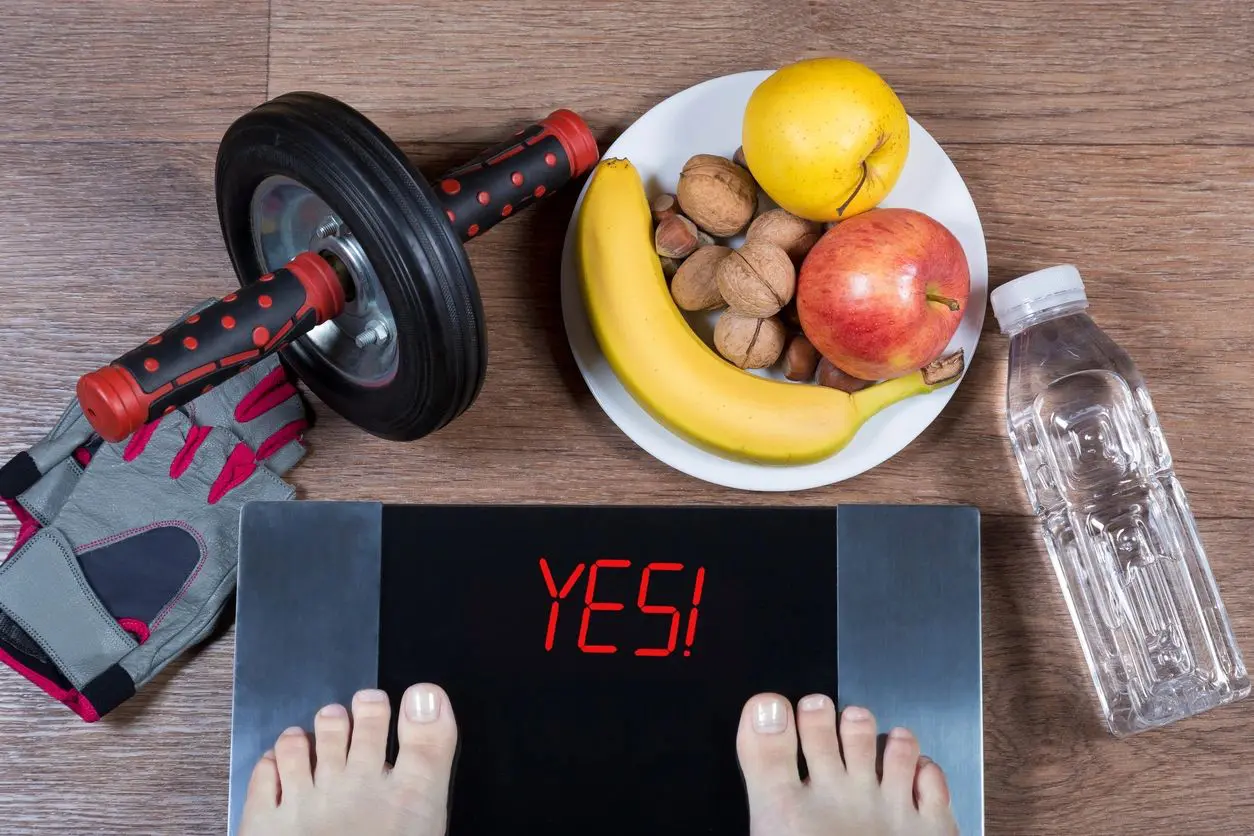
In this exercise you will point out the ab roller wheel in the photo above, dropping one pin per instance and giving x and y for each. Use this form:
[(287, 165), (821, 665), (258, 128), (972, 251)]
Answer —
[(350, 264)]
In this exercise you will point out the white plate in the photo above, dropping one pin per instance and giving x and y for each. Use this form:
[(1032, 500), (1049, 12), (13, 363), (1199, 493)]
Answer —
[(706, 119)]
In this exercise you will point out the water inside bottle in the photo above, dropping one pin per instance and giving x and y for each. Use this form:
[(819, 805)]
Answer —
[(1124, 544)]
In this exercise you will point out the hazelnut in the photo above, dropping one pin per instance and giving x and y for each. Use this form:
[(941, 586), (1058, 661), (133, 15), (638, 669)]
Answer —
[(694, 287), (704, 239), (675, 237), (739, 158), (801, 358), (747, 341), (832, 377), (717, 194), (758, 279), (792, 234), (663, 206), (670, 266)]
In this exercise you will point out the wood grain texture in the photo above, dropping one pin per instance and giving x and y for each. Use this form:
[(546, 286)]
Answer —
[(1085, 132), (1084, 71), (469, 70), (117, 69)]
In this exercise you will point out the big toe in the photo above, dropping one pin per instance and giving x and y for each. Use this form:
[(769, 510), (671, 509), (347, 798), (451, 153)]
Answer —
[(427, 735), (766, 744)]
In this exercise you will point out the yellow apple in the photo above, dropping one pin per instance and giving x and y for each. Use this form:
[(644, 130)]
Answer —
[(826, 138)]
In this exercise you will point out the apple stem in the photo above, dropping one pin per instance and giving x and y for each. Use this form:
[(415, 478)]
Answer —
[(952, 304), (840, 210)]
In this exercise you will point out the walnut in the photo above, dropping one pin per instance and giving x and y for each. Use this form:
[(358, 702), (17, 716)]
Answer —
[(718, 195), (792, 234), (694, 287), (758, 279), (749, 342)]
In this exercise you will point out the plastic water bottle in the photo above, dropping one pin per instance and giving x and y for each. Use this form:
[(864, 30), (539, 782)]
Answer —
[(1115, 519)]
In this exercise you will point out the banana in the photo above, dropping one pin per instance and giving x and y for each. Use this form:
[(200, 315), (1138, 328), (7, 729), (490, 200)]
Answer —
[(675, 376)]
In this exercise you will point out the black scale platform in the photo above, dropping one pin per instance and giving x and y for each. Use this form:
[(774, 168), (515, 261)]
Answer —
[(597, 658)]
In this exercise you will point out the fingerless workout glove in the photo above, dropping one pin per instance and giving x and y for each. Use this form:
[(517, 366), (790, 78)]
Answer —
[(127, 552)]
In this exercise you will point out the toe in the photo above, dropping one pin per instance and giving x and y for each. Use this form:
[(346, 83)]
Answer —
[(427, 733), (857, 741), (263, 790), (816, 726), (931, 790), (371, 715), (766, 744), (901, 760), (295, 765), (331, 730)]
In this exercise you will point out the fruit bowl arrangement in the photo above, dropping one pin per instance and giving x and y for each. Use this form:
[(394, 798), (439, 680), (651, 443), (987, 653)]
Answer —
[(768, 311)]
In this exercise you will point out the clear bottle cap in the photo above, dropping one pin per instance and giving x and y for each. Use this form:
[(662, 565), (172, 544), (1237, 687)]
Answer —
[(1034, 293)]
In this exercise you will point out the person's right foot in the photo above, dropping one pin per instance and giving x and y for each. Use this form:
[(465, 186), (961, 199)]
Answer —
[(843, 796)]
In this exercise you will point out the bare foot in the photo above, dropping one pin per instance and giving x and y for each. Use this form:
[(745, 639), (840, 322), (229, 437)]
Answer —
[(351, 789), (843, 795)]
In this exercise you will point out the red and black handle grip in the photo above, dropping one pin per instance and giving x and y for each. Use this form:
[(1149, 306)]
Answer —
[(210, 346), (262, 317), (505, 178)]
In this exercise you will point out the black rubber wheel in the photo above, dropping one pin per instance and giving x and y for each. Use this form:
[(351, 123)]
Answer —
[(335, 152)]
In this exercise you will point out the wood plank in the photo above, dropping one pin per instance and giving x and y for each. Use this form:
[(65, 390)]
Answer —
[(157, 765), (1050, 766), (1057, 72), (985, 71), (1155, 282), (476, 71), (1158, 232), (112, 69)]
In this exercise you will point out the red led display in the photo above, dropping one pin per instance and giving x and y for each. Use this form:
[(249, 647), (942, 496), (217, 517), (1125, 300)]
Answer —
[(591, 605)]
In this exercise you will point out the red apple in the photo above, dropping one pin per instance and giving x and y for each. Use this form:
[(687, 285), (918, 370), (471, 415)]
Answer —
[(881, 294)]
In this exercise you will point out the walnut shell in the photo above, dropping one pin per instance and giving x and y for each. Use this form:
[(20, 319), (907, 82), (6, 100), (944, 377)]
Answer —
[(718, 195), (749, 342), (793, 235), (758, 279), (694, 287)]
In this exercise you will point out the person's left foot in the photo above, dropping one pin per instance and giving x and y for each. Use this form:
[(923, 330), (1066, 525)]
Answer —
[(351, 789)]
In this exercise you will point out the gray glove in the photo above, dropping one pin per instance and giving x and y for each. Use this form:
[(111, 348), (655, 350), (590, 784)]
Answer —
[(127, 552)]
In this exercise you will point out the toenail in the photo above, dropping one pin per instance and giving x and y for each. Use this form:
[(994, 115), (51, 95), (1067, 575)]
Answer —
[(857, 714), (814, 702), (372, 695), (924, 760), (900, 734), (294, 731), (770, 716), (269, 755), (333, 711), (423, 705)]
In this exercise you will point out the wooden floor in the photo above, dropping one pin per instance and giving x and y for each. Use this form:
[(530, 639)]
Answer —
[(1115, 135)]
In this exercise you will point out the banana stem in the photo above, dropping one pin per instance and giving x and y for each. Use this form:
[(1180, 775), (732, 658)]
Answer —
[(931, 377)]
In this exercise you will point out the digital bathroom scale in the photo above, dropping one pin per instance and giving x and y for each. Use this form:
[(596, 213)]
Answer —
[(598, 658)]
